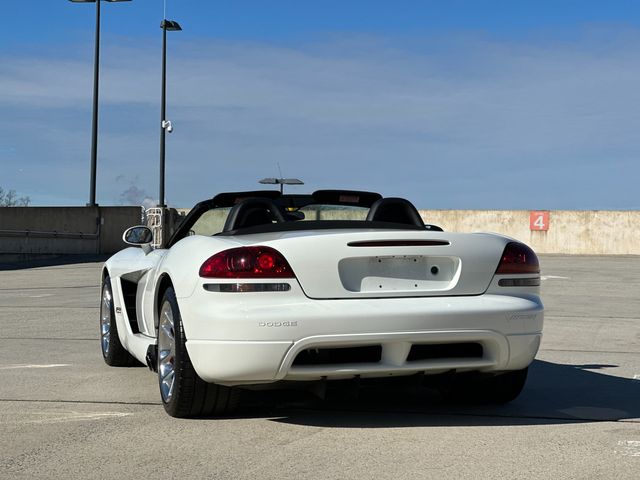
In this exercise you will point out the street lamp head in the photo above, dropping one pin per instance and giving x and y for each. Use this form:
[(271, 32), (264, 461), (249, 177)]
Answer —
[(282, 182), (170, 26)]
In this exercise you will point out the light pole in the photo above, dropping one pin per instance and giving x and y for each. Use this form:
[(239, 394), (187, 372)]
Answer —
[(165, 125), (94, 122)]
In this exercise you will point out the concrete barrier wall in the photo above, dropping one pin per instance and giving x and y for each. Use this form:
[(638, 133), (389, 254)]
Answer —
[(570, 232), (27, 232)]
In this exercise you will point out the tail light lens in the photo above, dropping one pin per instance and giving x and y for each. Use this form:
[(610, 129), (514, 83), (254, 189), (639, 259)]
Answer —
[(247, 262), (518, 258)]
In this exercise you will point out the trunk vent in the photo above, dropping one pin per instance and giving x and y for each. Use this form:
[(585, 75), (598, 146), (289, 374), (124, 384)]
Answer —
[(445, 350), (332, 356), (399, 243)]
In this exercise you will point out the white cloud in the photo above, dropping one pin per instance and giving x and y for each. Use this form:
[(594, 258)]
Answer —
[(465, 122)]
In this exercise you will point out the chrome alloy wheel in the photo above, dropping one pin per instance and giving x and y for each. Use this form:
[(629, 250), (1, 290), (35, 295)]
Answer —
[(105, 319), (166, 352)]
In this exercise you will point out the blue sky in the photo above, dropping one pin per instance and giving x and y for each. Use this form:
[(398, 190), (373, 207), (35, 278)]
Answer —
[(452, 104)]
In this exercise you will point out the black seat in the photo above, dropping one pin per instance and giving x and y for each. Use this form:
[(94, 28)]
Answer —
[(395, 210), (251, 212)]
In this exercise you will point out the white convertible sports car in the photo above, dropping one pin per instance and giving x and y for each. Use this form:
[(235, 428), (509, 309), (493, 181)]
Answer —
[(261, 287)]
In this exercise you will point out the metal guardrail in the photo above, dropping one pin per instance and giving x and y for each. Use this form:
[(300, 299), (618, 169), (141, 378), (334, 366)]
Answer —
[(155, 218), (50, 234)]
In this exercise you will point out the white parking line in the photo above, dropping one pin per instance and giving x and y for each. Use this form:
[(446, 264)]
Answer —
[(67, 416), (636, 377), (628, 448), (554, 277), (41, 296), (49, 365)]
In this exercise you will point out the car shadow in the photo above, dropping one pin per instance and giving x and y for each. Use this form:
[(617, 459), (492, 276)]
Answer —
[(554, 394)]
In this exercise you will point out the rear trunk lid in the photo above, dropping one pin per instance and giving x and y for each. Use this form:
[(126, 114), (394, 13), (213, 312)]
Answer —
[(375, 263)]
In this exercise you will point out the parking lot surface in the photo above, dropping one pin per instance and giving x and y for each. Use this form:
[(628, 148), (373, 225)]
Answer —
[(65, 414)]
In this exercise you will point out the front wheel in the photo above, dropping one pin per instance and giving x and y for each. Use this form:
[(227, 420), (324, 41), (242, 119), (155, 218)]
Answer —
[(184, 394), (113, 352)]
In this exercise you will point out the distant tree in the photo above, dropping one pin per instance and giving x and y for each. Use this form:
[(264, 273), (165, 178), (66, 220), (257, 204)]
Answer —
[(10, 199)]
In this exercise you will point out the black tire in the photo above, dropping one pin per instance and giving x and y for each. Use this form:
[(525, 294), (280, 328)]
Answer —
[(184, 394), (113, 352), (486, 389)]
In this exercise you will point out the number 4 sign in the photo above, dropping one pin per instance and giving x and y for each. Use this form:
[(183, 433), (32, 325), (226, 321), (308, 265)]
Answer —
[(539, 221)]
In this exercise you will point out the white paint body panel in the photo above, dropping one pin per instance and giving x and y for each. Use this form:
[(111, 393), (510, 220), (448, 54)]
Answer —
[(342, 296)]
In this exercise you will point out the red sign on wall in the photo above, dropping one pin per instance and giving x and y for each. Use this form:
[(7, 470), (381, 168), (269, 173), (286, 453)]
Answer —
[(539, 221)]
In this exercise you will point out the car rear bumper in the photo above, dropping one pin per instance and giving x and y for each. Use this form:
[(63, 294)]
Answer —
[(238, 363), (258, 341)]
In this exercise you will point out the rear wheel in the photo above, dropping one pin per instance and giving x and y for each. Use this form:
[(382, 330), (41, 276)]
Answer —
[(497, 389), (113, 352), (183, 392)]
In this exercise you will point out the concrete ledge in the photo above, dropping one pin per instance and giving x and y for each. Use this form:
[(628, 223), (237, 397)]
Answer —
[(31, 232), (584, 232), (570, 232)]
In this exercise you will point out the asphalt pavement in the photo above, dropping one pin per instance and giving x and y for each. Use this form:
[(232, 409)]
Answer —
[(65, 414)]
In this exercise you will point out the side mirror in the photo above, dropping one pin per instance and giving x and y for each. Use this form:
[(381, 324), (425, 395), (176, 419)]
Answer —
[(139, 236)]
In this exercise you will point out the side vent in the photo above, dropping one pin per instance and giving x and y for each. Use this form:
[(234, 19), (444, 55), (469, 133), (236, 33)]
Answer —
[(129, 297)]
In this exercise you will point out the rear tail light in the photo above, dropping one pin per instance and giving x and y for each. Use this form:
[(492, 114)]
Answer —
[(518, 258), (247, 262)]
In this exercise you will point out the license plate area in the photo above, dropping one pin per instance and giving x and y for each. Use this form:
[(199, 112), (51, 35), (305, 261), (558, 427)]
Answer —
[(399, 273)]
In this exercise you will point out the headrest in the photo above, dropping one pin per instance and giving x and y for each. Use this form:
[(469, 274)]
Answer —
[(395, 210)]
